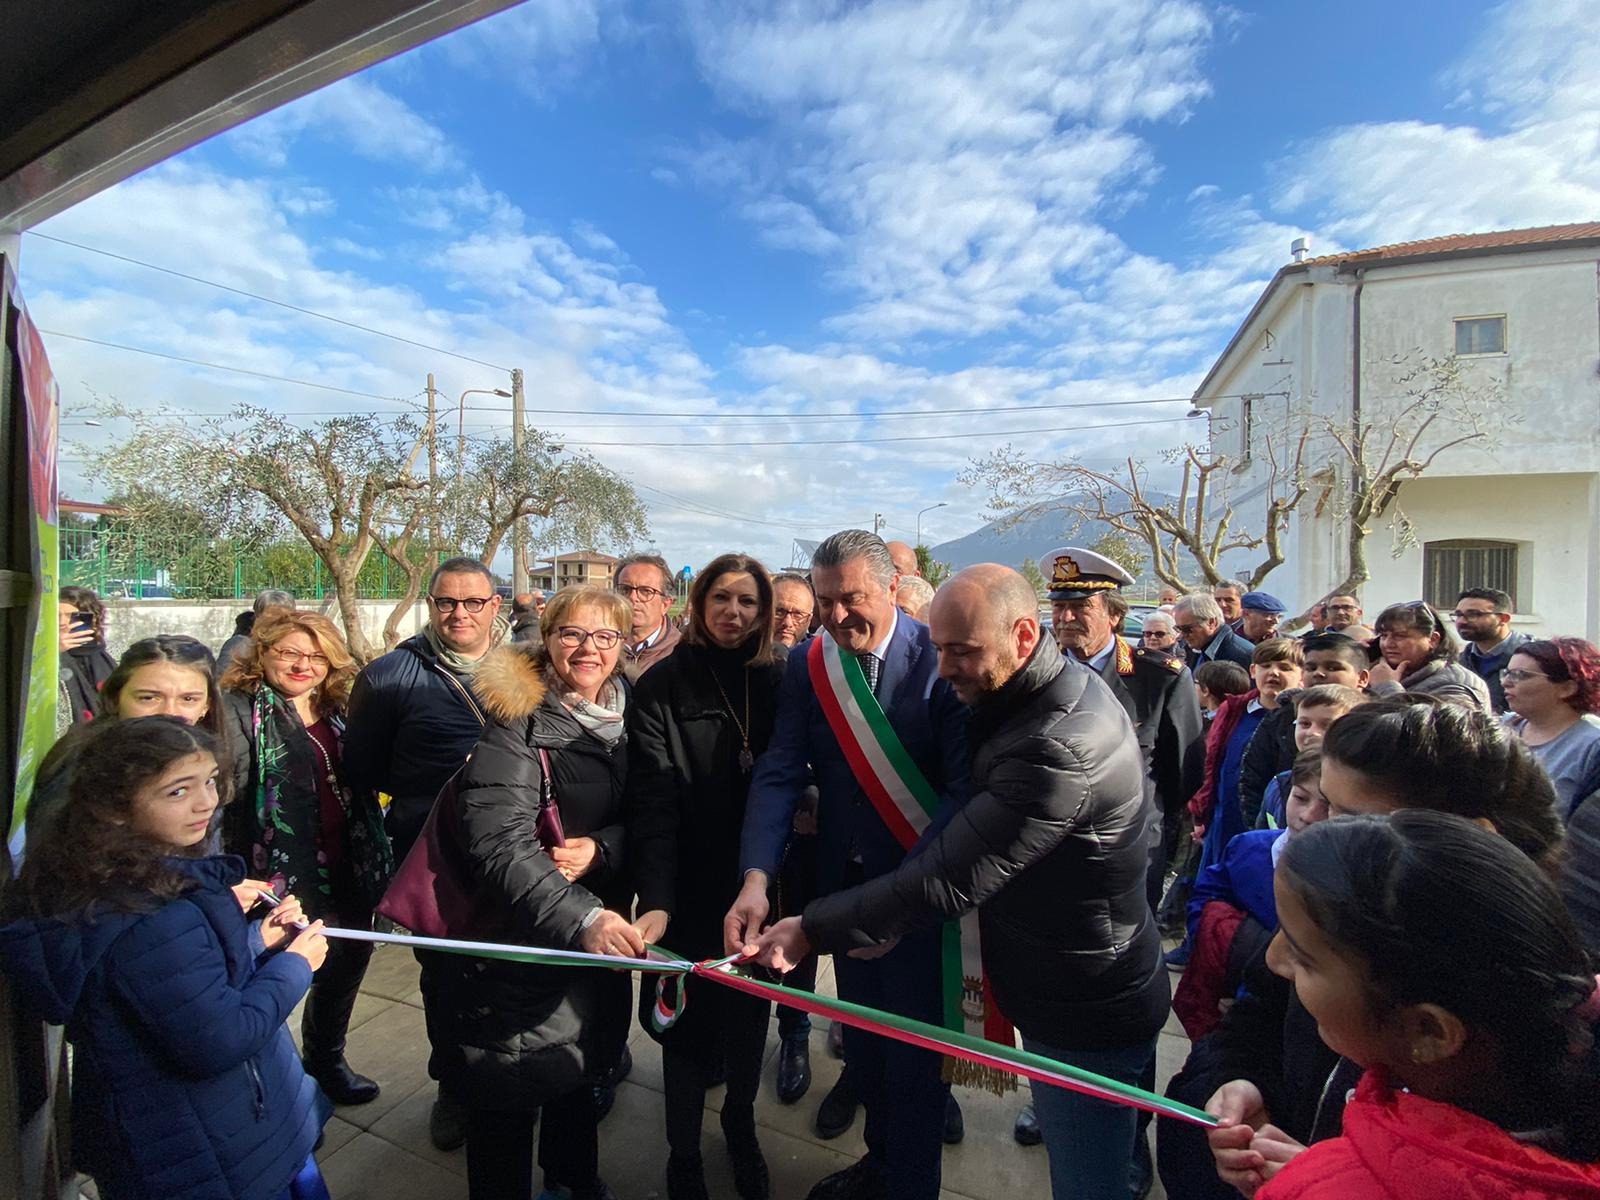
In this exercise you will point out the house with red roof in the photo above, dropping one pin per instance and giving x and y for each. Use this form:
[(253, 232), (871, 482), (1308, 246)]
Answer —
[(1506, 326)]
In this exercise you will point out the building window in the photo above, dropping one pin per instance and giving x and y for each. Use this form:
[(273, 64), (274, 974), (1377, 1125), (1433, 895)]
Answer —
[(1247, 417), (1450, 568), (1480, 335)]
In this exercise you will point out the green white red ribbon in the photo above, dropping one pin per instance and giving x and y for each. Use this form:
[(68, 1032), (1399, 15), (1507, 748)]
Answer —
[(724, 971)]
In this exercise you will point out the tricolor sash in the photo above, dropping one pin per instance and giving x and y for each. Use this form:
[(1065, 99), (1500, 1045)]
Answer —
[(906, 803)]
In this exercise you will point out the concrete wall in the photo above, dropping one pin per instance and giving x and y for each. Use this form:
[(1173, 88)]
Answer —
[(212, 622)]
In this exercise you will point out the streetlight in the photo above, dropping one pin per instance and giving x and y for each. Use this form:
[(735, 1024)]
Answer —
[(930, 508), (461, 419)]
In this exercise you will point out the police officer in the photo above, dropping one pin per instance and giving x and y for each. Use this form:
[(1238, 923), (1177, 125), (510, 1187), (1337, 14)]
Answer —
[(1155, 687)]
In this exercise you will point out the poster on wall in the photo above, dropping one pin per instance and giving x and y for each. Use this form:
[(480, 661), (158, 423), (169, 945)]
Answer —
[(41, 404)]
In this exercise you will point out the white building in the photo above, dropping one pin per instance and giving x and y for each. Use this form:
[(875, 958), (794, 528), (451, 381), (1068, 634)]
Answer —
[(1519, 312)]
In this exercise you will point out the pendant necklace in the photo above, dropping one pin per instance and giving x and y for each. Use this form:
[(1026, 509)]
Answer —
[(746, 759)]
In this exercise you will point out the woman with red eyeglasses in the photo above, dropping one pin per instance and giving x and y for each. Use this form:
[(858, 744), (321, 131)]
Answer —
[(296, 823)]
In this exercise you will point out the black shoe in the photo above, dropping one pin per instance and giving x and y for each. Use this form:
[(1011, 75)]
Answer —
[(447, 1123), (686, 1179), (341, 1084), (1026, 1130), (605, 1092), (837, 1112), (862, 1180), (794, 1070), (750, 1179), (955, 1126), (1141, 1171)]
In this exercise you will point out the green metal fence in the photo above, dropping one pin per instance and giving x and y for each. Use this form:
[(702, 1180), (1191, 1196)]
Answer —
[(125, 564)]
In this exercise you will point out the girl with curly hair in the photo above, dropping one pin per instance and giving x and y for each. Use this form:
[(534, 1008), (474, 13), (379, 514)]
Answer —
[(185, 1083), (295, 822)]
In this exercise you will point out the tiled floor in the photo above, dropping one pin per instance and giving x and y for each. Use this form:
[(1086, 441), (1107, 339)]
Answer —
[(381, 1151)]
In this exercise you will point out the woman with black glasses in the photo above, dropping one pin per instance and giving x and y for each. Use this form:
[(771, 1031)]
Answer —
[(1419, 655), (538, 823)]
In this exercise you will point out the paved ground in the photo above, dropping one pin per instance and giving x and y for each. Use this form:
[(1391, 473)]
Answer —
[(380, 1151)]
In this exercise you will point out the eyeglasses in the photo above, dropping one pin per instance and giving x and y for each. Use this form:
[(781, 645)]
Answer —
[(639, 590), (448, 605), (792, 614), (289, 657), (1511, 675), (572, 637), (1462, 613)]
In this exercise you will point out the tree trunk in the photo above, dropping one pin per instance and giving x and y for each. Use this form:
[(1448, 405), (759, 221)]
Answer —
[(344, 590), (414, 573)]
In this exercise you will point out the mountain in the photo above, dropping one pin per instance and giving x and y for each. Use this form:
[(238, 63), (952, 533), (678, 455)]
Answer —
[(1031, 537)]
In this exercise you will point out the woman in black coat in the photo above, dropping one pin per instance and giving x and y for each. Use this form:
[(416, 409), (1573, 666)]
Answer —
[(86, 664), (699, 719), (514, 1038)]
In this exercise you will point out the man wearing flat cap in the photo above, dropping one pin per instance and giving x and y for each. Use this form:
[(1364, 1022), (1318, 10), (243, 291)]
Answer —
[(1261, 613)]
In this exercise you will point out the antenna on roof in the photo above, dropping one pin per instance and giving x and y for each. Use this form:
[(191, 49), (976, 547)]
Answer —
[(1299, 248)]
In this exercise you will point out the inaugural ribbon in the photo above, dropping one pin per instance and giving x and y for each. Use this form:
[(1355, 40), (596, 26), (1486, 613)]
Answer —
[(674, 970)]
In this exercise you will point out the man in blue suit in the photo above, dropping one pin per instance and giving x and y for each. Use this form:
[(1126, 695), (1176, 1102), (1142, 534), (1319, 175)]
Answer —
[(900, 1087)]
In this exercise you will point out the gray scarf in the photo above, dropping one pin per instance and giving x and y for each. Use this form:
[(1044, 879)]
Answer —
[(603, 719), (456, 662)]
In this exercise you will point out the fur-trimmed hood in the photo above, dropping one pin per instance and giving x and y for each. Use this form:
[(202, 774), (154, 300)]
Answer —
[(509, 682)]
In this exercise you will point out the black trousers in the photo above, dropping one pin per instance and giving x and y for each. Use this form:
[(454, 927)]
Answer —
[(326, 1017), (719, 1026), (500, 1147)]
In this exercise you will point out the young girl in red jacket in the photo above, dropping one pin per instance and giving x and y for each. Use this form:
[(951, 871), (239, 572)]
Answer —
[(1442, 960)]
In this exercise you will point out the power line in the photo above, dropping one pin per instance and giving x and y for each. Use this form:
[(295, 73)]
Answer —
[(929, 437), (195, 362), (309, 312)]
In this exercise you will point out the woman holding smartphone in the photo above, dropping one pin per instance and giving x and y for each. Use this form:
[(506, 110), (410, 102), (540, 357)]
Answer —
[(86, 664)]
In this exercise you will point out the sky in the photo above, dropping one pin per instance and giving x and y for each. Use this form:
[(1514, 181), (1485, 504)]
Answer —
[(785, 266)]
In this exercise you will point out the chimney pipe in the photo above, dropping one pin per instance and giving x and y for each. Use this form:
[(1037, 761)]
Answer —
[(1299, 248)]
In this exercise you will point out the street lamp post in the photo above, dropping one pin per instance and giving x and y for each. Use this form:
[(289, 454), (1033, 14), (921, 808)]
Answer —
[(930, 508), (461, 418)]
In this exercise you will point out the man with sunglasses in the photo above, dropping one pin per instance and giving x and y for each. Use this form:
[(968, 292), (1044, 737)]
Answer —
[(414, 719), (645, 582)]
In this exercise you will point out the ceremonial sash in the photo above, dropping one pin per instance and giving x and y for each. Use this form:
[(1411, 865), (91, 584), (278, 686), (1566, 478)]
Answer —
[(906, 802)]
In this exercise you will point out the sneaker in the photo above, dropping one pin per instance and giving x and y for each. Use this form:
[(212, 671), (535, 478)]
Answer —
[(1178, 957), (1026, 1130)]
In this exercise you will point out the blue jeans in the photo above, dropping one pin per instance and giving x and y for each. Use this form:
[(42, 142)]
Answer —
[(1090, 1141)]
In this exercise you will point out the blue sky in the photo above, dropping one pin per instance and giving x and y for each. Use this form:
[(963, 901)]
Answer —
[(784, 217)]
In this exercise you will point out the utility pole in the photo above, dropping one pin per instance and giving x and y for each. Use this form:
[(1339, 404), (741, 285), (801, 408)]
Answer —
[(519, 545), (433, 473), (877, 523)]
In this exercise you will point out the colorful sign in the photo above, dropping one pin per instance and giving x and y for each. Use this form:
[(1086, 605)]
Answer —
[(41, 405)]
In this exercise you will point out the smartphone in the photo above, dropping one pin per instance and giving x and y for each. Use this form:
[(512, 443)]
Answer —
[(81, 623)]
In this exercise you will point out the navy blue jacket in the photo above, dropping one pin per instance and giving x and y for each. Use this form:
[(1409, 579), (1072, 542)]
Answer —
[(932, 724), (409, 726), (185, 1082)]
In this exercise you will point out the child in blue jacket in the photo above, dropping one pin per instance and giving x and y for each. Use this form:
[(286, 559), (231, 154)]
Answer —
[(185, 1083)]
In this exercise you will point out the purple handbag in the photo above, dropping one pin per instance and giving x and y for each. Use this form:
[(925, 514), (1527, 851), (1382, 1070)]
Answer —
[(433, 893)]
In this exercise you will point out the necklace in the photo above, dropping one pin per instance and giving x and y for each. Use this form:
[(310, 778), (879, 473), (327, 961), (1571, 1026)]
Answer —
[(746, 759), (323, 755)]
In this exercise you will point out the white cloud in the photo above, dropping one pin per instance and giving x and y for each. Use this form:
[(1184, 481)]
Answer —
[(1527, 151), (953, 163), (355, 114)]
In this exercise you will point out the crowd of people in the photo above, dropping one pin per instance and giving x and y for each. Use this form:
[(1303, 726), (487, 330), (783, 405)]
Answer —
[(1372, 853)]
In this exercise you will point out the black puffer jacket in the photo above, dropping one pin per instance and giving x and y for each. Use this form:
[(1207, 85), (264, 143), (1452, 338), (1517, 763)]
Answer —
[(409, 726), (1053, 850), (513, 1036)]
